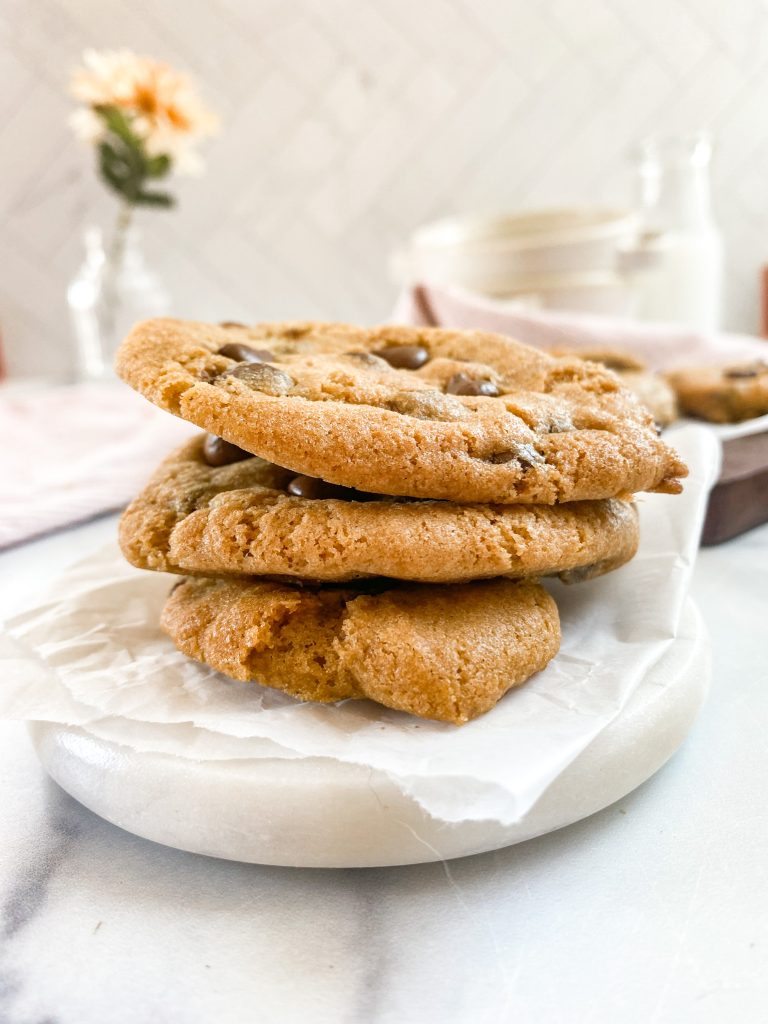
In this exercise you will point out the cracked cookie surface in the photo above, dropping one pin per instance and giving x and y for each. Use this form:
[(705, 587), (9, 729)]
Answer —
[(420, 412), (446, 653), (249, 517)]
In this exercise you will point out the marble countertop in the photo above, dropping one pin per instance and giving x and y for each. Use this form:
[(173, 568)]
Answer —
[(654, 910)]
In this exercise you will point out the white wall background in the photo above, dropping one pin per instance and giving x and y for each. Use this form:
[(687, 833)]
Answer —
[(348, 122)]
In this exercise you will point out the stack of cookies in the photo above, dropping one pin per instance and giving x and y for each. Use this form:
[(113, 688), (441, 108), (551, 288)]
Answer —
[(370, 511)]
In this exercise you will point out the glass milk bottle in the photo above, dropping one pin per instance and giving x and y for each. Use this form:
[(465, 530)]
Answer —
[(682, 279)]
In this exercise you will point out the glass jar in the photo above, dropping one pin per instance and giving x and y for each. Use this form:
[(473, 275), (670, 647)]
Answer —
[(113, 289), (681, 281)]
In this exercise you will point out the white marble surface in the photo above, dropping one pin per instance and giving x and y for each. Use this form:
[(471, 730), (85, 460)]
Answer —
[(656, 909)]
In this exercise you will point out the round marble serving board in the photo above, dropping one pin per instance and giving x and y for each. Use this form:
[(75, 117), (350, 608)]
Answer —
[(319, 812)]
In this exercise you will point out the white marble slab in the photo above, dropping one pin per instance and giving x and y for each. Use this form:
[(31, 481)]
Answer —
[(656, 909)]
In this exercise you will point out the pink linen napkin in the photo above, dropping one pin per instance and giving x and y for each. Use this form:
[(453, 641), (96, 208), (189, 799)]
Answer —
[(662, 346), (70, 453)]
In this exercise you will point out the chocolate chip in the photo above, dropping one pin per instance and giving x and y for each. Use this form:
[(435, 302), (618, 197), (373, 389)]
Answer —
[(581, 573), (218, 452), (231, 323), (427, 405), (311, 487), (245, 353), (461, 384), (525, 454), (557, 425), (404, 357), (366, 358), (261, 377), (751, 370)]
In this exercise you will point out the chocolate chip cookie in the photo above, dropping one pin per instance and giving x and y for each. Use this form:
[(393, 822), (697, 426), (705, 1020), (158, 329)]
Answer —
[(723, 394), (213, 509), (651, 388), (446, 653), (417, 412)]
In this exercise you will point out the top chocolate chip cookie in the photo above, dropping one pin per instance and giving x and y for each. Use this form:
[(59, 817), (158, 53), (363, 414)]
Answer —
[(419, 412)]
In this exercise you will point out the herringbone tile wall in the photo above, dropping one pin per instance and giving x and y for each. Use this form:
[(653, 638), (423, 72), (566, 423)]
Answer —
[(348, 122)]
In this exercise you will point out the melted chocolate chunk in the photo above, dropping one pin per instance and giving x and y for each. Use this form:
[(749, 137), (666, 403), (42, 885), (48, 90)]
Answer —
[(245, 353), (262, 377), (461, 384), (559, 425), (525, 454), (427, 405), (404, 357), (311, 487), (366, 358), (581, 573), (218, 452)]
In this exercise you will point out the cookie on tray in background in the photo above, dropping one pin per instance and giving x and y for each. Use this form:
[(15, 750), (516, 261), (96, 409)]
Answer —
[(722, 394)]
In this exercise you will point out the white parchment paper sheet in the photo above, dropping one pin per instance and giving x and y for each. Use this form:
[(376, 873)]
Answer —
[(92, 654)]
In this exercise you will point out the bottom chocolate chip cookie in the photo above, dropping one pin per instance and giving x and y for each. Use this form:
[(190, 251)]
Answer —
[(441, 652)]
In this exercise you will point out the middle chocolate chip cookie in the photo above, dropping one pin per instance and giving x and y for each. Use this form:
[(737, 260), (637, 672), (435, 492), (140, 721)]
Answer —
[(213, 509)]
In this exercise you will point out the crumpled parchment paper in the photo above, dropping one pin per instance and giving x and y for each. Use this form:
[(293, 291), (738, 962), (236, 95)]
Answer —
[(91, 654)]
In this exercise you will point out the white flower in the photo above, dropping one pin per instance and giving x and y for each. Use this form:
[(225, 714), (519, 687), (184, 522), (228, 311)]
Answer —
[(86, 125), (163, 106)]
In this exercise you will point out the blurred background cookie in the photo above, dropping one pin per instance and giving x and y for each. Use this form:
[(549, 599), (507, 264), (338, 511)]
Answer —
[(722, 394)]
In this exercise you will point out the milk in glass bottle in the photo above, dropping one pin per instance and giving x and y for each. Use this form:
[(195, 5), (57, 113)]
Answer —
[(681, 281)]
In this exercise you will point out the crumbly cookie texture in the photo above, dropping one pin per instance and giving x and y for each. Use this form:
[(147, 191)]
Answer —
[(241, 519), (723, 394), (651, 388), (421, 412), (445, 653)]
